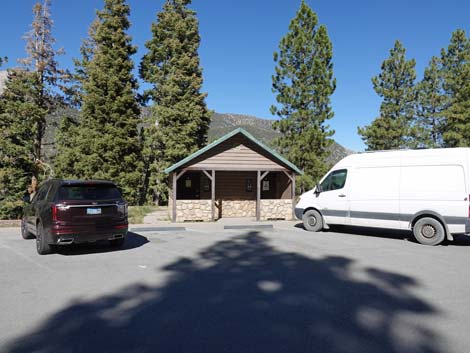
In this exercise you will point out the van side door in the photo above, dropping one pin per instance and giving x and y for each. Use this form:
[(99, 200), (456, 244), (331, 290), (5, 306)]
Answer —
[(374, 197), (333, 198)]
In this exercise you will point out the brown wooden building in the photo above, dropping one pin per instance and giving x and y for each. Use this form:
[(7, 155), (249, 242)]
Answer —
[(235, 176)]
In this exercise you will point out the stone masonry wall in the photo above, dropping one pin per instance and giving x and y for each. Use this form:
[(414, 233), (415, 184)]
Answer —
[(276, 209), (200, 210), (238, 208), (193, 210)]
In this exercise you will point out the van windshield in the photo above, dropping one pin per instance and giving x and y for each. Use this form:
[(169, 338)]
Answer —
[(89, 192)]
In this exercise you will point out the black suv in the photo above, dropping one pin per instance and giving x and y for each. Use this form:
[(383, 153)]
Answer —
[(73, 211)]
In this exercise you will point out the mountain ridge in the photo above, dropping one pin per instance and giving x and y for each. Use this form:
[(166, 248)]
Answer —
[(223, 123)]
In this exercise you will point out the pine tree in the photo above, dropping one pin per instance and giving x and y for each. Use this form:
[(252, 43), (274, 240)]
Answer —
[(18, 113), (456, 72), (31, 94), (45, 72), (303, 83), (67, 154), (429, 122), (396, 85), (107, 143), (179, 118)]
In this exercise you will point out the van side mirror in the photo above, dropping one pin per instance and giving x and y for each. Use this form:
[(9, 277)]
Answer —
[(318, 189), (26, 198)]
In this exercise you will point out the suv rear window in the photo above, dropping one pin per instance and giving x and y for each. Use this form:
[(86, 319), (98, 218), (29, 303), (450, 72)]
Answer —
[(89, 192)]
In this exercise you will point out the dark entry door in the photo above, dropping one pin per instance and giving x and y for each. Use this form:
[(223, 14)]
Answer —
[(189, 186)]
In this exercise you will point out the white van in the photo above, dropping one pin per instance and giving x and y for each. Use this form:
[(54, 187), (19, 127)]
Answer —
[(423, 190)]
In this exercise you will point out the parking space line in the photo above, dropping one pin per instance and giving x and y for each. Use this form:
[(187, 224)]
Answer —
[(26, 258)]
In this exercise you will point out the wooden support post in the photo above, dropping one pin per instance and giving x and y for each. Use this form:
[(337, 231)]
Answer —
[(293, 195), (212, 179), (176, 176), (174, 196), (258, 195), (259, 179), (264, 175), (213, 196)]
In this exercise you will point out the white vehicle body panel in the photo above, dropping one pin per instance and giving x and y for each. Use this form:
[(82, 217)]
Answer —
[(390, 189)]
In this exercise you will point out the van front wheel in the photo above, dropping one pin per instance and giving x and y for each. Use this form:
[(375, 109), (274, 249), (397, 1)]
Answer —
[(429, 231), (313, 221)]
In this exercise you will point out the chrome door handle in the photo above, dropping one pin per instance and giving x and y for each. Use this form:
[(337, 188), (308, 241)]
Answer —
[(341, 195)]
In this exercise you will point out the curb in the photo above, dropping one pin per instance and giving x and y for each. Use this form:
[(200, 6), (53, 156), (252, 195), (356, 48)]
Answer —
[(158, 229), (10, 223), (254, 226)]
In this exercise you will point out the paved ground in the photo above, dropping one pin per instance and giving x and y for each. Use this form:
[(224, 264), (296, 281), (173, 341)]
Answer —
[(212, 290)]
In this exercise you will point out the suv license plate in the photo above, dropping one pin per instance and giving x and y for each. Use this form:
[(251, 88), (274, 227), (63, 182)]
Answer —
[(93, 211)]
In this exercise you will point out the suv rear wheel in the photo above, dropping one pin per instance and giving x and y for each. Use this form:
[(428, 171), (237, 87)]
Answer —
[(42, 247)]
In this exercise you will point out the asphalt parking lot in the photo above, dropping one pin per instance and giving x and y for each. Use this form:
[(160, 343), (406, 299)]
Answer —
[(240, 290)]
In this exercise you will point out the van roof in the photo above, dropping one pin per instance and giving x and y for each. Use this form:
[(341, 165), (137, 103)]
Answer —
[(449, 155)]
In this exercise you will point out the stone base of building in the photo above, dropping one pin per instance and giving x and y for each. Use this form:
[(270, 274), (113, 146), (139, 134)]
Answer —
[(193, 210), (276, 209), (237, 208), (200, 210)]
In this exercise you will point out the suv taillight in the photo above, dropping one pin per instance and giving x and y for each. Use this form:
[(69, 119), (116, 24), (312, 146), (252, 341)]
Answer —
[(122, 208), (54, 213)]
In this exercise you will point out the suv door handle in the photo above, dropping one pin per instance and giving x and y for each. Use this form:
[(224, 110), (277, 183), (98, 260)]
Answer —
[(341, 195)]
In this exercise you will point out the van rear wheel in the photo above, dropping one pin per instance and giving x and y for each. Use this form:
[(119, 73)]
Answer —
[(429, 231), (312, 220)]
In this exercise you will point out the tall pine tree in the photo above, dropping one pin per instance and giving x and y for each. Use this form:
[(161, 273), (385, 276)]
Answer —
[(66, 152), (107, 144), (456, 72), (30, 95), (429, 123), (45, 73), (179, 119), (303, 83), (18, 114), (396, 85)]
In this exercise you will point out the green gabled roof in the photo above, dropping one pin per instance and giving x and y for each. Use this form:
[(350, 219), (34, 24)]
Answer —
[(225, 138)]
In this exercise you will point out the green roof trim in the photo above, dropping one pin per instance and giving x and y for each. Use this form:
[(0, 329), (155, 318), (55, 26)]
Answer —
[(225, 138)]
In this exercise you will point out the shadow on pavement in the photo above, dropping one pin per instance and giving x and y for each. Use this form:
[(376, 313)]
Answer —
[(459, 240), (368, 231), (243, 295), (133, 240), (375, 232)]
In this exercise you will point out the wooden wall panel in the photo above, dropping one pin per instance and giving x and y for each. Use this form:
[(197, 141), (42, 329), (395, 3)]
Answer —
[(232, 186), (237, 152)]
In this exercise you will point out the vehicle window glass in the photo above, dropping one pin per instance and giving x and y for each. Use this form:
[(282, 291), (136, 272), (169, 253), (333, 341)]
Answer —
[(41, 193), (50, 193), (335, 180), (89, 192)]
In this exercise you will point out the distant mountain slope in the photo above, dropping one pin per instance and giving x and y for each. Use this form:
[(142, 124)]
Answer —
[(221, 124), (262, 129)]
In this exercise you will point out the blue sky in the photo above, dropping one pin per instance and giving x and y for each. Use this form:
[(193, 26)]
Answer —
[(240, 36)]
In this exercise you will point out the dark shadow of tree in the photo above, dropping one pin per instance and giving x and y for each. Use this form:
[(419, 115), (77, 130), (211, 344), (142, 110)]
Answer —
[(243, 295), (133, 241)]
